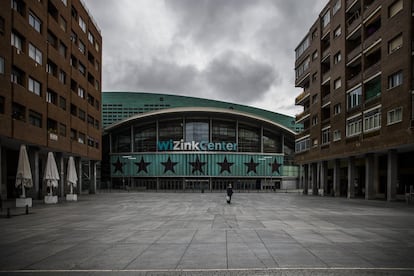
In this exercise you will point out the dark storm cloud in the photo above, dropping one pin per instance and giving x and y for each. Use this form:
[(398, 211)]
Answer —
[(238, 77), (158, 76)]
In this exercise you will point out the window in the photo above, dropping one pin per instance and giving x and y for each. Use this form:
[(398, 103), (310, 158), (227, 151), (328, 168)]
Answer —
[(62, 49), (2, 25), (372, 120), (395, 44), (337, 57), (62, 102), (81, 138), (17, 76), (302, 47), (73, 110), (18, 5), (326, 133), (81, 46), (82, 24), (96, 124), (35, 86), (337, 83), (354, 97), (52, 126), (35, 22), (51, 97), (73, 134), (2, 105), (2, 66), (91, 120), (73, 37), (91, 38), (81, 92), (372, 88), (62, 130), (65, 2), (302, 145), (96, 46), (82, 68), (62, 77), (18, 112), (314, 77), (314, 120), (337, 32), (395, 80), (35, 118), (394, 116), (326, 18), (336, 135), (315, 55), (336, 7), (51, 39), (62, 23), (353, 126), (16, 41), (395, 7), (302, 68), (337, 109), (82, 114), (91, 99), (35, 53), (51, 68)]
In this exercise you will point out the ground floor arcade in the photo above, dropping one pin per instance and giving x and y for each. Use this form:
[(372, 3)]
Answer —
[(387, 175)]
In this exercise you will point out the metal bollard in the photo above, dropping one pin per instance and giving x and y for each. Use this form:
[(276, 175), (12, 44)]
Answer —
[(27, 209)]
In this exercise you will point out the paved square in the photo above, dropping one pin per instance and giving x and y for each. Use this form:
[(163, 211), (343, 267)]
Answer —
[(197, 234)]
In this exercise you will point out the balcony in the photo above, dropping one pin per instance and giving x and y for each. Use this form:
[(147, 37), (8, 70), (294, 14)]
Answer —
[(326, 77), (326, 100), (300, 117), (372, 40), (354, 80), (350, 3), (372, 70), (355, 52), (302, 97), (353, 22), (371, 8)]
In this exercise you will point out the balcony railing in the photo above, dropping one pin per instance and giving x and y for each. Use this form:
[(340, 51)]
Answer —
[(299, 99), (372, 39), (354, 80), (326, 99), (353, 22), (349, 3), (352, 54), (326, 76), (372, 70), (302, 115), (371, 8)]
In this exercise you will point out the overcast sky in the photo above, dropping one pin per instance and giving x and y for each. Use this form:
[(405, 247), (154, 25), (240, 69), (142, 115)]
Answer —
[(239, 51)]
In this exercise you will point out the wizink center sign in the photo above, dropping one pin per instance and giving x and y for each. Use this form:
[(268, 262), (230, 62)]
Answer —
[(171, 145)]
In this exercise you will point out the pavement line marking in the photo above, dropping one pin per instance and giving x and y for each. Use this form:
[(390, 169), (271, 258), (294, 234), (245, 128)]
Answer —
[(211, 269)]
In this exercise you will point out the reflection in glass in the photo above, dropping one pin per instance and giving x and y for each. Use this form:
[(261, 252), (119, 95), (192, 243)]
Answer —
[(249, 139), (145, 138), (197, 131), (170, 130), (272, 143), (224, 131), (121, 141)]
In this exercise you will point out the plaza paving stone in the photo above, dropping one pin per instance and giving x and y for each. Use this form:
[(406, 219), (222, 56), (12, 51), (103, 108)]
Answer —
[(199, 234)]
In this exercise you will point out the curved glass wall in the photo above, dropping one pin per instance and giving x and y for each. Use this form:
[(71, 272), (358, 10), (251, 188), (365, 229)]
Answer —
[(172, 129), (145, 138), (223, 131), (197, 130), (272, 142), (249, 139), (121, 140)]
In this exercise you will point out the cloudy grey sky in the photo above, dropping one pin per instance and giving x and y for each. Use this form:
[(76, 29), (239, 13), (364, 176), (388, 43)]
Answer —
[(239, 51)]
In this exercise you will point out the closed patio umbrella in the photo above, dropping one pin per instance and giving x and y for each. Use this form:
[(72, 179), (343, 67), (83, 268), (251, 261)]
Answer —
[(24, 174), (72, 177), (51, 173)]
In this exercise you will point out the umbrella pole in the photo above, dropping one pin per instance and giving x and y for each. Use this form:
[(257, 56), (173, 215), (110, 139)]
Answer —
[(71, 188), (23, 191)]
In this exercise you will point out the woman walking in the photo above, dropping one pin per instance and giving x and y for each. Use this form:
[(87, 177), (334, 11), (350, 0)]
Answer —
[(229, 193)]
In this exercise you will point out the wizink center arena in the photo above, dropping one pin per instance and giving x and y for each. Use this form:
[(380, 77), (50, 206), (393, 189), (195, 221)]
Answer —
[(166, 142)]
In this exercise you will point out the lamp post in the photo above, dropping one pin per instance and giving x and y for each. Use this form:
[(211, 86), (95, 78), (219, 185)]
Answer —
[(128, 157), (264, 158)]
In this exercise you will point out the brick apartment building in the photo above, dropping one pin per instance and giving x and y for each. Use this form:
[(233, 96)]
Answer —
[(50, 89), (355, 66)]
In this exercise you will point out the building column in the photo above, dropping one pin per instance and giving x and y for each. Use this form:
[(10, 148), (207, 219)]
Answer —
[(310, 179), (369, 176), (392, 175), (61, 168), (315, 178), (1, 174), (337, 178), (92, 177), (305, 179), (36, 184), (324, 177), (78, 161), (351, 177)]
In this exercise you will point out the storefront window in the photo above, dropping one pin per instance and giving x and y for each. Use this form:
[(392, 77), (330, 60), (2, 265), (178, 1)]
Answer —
[(145, 138), (249, 139)]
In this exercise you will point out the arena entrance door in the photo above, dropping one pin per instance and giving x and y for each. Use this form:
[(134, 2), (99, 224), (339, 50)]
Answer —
[(199, 184)]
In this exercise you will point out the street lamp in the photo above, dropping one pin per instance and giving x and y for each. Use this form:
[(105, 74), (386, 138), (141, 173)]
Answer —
[(264, 158)]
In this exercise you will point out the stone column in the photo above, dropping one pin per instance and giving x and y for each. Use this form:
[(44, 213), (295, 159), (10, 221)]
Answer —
[(392, 175), (78, 162), (315, 179), (351, 177), (1, 174), (369, 176), (310, 179), (92, 176), (305, 179), (61, 167), (324, 177), (36, 176), (337, 178)]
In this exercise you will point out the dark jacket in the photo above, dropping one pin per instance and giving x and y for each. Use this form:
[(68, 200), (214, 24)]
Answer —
[(229, 191)]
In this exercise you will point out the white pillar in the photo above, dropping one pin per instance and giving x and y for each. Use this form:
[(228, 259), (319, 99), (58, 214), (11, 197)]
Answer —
[(324, 177), (337, 178), (351, 177), (392, 175)]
